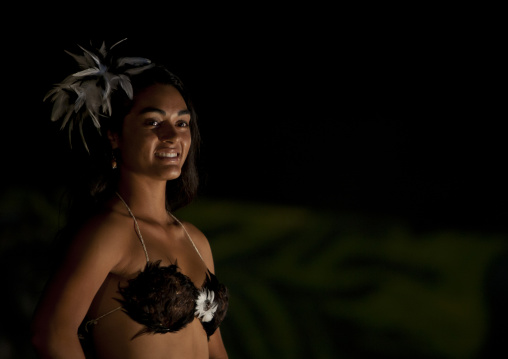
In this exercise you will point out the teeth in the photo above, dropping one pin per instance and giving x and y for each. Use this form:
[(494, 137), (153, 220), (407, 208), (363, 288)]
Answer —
[(164, 154)]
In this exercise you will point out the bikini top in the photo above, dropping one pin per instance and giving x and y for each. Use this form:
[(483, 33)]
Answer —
[(164, 300)]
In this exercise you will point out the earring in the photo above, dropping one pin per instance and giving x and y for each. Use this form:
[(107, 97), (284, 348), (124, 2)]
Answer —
[(113, 161)]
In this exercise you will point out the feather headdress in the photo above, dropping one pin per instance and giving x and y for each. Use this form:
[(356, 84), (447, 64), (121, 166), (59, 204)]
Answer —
[(86, 94)]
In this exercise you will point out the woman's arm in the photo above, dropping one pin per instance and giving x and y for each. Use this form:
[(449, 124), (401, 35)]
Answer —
[(92, 255)]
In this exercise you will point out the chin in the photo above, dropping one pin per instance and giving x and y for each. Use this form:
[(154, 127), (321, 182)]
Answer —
[(171, 175)]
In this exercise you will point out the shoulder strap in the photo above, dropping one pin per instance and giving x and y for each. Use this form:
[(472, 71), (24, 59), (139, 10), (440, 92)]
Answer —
[(137, 227), (188, 236), (141, 237)]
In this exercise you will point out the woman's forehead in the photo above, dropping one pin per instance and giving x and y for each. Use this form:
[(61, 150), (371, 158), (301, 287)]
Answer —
[(165, 98)]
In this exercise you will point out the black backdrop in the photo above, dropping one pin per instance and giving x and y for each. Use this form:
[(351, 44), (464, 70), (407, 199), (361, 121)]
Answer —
[(393, 111), (392, 115)]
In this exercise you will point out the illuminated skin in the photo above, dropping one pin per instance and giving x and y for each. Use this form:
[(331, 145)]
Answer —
[(156, 136), (154, 143)]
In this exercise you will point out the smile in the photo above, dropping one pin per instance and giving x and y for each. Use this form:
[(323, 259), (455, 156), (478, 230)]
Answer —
[(166, 154)]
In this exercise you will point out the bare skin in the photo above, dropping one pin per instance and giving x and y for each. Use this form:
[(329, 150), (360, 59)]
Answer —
[(107, 252)]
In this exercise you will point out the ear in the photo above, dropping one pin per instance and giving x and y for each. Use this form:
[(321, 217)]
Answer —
[(113, 139)]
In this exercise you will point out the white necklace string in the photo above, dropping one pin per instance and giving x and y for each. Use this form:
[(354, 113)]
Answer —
[(137, 227), (141, 237), (94, 321)]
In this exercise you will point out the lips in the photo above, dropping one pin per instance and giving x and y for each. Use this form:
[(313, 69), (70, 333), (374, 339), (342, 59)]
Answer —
[(167, 154)]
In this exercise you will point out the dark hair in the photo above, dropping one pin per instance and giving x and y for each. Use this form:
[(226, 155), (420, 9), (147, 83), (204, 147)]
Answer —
[(181, 191), (93, 181)]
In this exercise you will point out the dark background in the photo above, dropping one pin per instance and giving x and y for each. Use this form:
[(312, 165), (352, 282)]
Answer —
[(391, 112), (383, 114)]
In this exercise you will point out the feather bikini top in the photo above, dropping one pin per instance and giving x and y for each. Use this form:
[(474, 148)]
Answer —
[(164, 300)]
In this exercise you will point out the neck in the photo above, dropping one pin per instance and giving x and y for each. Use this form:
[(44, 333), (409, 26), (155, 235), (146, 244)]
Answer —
[(146, 199)]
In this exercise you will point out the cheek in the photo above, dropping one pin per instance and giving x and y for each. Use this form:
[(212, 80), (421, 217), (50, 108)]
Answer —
[(136, 145), (188, 142)]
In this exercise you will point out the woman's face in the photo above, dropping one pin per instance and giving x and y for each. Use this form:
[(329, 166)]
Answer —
[(156, 136)]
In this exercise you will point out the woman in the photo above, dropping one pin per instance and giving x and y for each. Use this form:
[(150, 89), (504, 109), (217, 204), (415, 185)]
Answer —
[(135, 281)]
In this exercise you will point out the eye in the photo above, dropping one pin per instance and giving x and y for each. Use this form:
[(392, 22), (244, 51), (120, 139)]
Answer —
[(182, 123), (153, 123)]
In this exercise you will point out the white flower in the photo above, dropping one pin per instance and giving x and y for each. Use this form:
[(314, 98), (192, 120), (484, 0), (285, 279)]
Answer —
[(205, 307)]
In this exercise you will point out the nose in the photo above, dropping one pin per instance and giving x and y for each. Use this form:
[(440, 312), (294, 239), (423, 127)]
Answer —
[(168, 133)]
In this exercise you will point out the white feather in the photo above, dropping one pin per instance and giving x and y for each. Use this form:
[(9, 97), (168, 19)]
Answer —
[(83, 135), (118, 43), (92, 56), (70, 111), (87, 93), (87, 72), (81, 60), (103, 50), (138, 70), (133, 61), (125, 83), (59, 107), (94, 119)]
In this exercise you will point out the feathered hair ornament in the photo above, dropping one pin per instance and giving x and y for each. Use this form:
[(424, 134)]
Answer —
[(87, 93)]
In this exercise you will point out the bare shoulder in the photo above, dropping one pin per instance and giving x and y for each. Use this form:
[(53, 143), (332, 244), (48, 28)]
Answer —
[(196, 234), (94, 251), (104, 237), (201, 243), (105, 227)]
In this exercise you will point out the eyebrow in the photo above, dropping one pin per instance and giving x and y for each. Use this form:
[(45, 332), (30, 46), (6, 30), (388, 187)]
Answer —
[(162, 112)]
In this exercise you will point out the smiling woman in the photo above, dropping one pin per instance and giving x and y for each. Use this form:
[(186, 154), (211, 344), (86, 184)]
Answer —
[(156, 134), (132, 279)]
